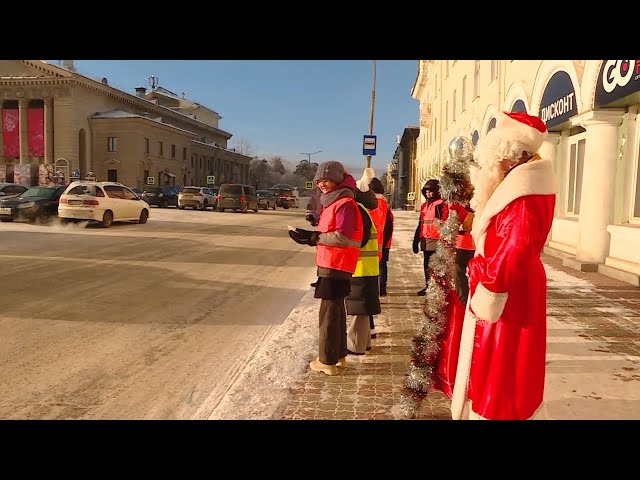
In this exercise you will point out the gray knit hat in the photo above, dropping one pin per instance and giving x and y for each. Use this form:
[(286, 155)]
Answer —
[(333, 171)]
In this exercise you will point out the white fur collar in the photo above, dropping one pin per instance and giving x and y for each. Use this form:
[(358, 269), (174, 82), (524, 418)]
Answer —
[(535, 178)]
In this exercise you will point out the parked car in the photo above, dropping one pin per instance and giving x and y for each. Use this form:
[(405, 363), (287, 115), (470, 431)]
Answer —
[(216, 192), (10, 190), (196, 197), (138, 192), (237, 197), (162, 196), (285, 196), (267, 199), (37, 203), (104, 202)]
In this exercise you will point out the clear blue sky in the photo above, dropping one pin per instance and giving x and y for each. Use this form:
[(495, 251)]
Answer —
[(285, 107)]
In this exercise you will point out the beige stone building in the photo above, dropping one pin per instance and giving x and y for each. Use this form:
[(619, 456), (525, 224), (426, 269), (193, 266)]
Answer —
[(87, 125), (592, 111)]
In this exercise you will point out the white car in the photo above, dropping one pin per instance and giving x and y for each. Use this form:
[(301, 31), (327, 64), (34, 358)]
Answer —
[(104, 202), (196, 197)]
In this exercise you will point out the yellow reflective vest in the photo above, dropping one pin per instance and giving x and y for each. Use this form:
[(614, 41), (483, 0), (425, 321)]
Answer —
[(368, 265)]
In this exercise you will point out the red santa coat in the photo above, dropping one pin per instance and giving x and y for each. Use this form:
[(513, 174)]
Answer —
[(501, 365)]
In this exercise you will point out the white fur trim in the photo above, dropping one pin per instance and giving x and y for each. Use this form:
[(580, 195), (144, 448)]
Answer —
[(459, 397), (529, 137), (364, 182), (535, 178), (488, 305)]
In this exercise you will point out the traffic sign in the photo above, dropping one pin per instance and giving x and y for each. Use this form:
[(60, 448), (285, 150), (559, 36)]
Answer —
[(369, 145), (411, 196), (151, 180), (308, 185), (211, 179)]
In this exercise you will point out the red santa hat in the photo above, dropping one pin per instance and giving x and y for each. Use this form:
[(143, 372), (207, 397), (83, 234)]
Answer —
[(520, 127)]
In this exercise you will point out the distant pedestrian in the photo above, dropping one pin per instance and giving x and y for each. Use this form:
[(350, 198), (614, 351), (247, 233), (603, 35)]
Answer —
[(427, 236)]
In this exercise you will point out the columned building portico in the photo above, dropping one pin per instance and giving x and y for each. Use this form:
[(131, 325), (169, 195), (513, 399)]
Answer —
[(598, 183)]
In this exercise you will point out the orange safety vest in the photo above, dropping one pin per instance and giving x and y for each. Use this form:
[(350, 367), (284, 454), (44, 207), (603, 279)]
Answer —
[(339, 258), (427, 217), (388, 244), (379, 215), (464, 241)]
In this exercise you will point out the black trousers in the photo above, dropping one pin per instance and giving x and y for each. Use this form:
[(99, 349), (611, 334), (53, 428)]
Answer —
[(383, 276), (462, 282), (427, 256), (333, 331)]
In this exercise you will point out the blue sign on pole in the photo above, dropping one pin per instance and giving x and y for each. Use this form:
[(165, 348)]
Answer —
[(369, 145)]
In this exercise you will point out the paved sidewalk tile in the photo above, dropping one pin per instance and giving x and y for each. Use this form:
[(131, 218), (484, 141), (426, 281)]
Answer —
[(593, 348)]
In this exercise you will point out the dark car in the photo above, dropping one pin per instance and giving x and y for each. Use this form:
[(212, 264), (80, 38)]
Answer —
[(162, 196), (10, 190), (37, 203), (285, 196), (237, 197), (138, 192), (267, 199)]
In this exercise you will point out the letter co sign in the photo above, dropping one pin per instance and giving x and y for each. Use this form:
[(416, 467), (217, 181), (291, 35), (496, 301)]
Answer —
[(558, 100), (617, 79)]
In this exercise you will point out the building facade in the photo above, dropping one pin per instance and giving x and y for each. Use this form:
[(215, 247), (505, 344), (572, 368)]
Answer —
[(403, 171), (53, 115), (591, 109)]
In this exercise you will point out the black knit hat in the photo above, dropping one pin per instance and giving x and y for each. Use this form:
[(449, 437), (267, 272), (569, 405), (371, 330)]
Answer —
[(376, 186)]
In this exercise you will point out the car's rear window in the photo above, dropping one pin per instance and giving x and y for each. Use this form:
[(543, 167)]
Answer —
[(231, 189), (191, 190), (82, 190)]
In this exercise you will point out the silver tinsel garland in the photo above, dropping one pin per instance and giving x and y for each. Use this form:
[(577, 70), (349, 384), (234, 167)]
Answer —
[(426, 343)]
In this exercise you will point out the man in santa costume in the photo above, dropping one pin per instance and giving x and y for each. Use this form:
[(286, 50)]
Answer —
[(501, 365)]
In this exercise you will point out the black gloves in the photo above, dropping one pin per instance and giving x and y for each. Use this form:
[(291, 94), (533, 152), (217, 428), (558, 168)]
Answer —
[(304, 237), (416, 245), (311, 219)]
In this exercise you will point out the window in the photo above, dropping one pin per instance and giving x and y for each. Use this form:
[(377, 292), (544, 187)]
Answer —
[(574, 174), (494, 70), (114, 191), (453, 111), (146, 145), (184, 153), (476, 80), (173, 151), (463, 100), (191, 161), (112, 175), (160, 149), (112, 144)]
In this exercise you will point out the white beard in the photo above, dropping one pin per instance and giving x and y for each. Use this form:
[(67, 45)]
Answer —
[(485, 181), (487, 174)]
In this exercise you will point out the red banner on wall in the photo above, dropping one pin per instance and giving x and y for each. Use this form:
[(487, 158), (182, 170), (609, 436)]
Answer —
[(11, 132), (35, 132)]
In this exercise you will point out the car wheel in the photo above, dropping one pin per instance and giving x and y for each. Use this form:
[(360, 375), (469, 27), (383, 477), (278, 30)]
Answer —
[(6, 219), (221, 210), (205, 205), (144, 216), (107, 219), (163, 203), (45, 216)]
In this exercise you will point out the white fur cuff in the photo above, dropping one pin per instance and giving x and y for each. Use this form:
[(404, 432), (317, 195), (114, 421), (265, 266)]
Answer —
[(487, 305)]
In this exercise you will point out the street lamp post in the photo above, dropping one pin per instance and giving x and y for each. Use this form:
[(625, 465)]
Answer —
[(371, 109), (308, 154)]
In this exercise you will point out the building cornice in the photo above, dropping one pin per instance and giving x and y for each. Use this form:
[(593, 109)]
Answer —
[(74, 78)]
